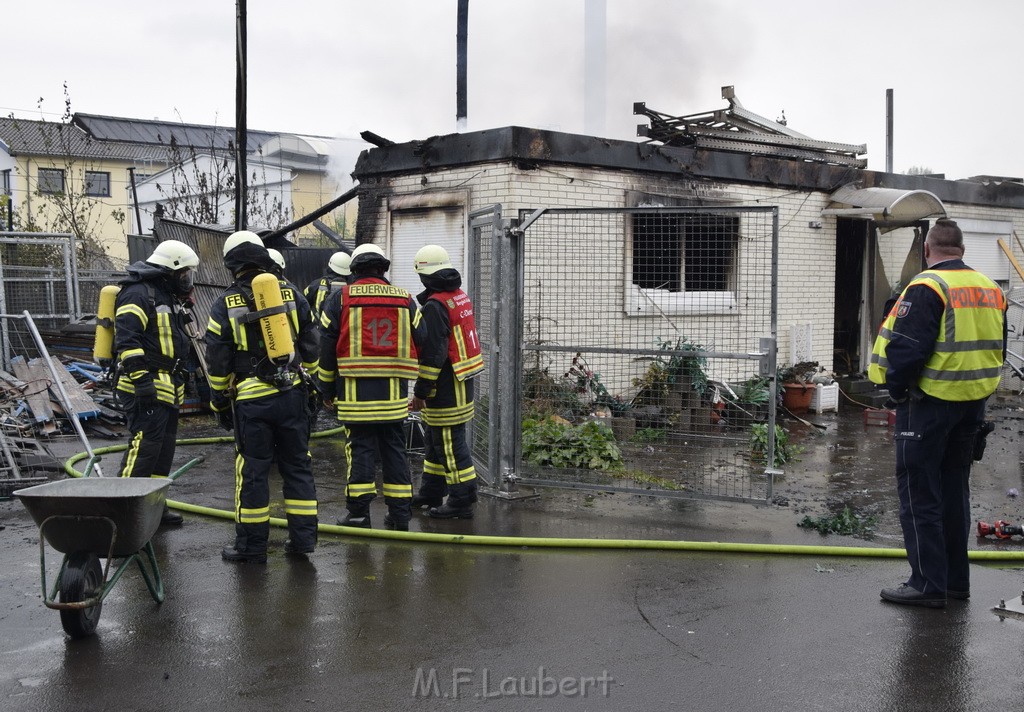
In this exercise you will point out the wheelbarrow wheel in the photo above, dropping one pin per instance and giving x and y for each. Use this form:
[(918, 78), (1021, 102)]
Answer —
[(82, 579)]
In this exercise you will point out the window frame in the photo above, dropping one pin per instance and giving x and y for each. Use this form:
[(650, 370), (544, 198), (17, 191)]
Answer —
[(40, 182), (92, 194), (651, 301)]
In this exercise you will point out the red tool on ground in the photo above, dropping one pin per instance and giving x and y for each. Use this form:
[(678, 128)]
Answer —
[(1001, 529)]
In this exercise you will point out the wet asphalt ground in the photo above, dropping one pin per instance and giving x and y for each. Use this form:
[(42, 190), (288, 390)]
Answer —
[(382, 624)]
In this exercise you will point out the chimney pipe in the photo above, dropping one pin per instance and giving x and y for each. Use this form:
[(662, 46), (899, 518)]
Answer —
[(888, 130), (595, 16), (461, 42)]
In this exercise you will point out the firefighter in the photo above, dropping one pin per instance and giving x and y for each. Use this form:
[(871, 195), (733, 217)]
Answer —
[(367, 357), (258, 390), (338, 273), (449, 358), (152, 345)]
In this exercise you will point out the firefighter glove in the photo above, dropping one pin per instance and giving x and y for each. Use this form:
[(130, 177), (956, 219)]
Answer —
[(226, 419)]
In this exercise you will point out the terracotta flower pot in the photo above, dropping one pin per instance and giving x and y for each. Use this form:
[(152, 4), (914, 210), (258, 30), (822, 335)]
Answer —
[(796, 397)]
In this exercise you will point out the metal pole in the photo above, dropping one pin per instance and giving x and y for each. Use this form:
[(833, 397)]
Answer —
[(241, 139), (65, 400), (461, 41), (888, 130), (135, 200)]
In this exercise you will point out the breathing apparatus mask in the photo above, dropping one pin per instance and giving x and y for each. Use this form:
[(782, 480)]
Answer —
[(182, 281)]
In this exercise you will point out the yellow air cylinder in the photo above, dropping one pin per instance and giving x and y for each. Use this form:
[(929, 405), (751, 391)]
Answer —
[(103, 344), (277, 334)]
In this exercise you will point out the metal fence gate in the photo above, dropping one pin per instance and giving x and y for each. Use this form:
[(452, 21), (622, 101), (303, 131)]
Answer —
[(38, 274), (629, 349)]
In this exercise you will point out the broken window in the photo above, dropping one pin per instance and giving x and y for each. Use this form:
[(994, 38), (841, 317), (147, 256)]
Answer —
[(50, 180), (682, 262)]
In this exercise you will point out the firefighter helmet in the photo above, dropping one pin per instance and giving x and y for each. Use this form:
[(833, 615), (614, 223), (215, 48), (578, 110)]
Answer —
[(173, 255), (339, 264), (367, 255), (240, 238), (277, 257), (430, 259)]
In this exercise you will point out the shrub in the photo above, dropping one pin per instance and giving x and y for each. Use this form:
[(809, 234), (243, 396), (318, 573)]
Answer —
[(552, 442)]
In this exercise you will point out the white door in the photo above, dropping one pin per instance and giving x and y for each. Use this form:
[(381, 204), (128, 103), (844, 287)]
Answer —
[(412, 229)]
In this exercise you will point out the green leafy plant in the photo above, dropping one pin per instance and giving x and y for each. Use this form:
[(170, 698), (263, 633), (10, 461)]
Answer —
[(670, 369), (753, 391), (784, 450), (552, 442), (845, 522), (648, 435)]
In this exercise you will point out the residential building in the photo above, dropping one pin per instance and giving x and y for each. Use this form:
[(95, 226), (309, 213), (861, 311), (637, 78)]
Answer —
[(78, 176)]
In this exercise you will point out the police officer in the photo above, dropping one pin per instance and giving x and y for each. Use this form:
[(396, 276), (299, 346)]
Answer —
[(264, 400), (367, 356), (152, 345), (338, 273), (940, 352), (449, 359)]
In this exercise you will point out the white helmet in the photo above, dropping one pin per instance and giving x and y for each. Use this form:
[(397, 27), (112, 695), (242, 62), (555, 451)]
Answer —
[(430, 259), (339, 263), (239, 238), (367, 254), (173, 255), (277, 257)]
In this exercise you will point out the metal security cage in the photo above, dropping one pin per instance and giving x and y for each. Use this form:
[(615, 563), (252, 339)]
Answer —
[(632, 349)]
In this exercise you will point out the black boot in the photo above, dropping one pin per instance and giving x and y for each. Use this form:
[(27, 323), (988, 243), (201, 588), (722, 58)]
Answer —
[(447, 511), (230, 553), (421, 500), (391, 523), (291, 547), (362, 521), (171, 518)]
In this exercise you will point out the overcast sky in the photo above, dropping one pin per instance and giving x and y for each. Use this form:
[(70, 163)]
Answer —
[(337, 67)]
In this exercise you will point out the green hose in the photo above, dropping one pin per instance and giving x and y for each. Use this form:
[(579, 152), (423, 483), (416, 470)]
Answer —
[(547, 542)]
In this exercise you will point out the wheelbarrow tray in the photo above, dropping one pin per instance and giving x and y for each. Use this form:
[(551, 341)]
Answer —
[(133, 504)]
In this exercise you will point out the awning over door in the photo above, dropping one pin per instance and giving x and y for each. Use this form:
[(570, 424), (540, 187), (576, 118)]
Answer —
[(889, 207)]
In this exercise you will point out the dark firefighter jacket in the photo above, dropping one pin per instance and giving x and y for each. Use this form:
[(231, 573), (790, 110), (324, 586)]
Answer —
[(150, 341)]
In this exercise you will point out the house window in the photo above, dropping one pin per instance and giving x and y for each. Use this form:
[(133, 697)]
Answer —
[(97, 184), (682, 263), (50, 180), (5, 182)]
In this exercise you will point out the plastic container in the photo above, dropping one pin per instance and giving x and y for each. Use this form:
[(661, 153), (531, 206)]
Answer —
[(825, 398), (879, 416)]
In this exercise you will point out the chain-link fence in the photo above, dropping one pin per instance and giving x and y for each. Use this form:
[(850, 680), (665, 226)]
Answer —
[(645, 350)]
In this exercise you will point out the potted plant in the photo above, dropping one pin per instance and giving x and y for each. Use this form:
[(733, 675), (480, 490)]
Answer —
[(797, 388)]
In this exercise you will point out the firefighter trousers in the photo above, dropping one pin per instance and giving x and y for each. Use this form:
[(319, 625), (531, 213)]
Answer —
[(275, 427), (368, 442), (154, 430), (934, 450), (448, 465)]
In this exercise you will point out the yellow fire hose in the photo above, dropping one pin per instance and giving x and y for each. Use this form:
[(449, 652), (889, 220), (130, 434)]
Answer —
[(548, 542)]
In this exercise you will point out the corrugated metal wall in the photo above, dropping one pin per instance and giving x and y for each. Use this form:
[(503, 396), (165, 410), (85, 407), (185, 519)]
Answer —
[(304, 264)]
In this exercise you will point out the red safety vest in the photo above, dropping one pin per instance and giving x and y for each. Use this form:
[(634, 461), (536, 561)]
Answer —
[(463, 340), (376, 331)]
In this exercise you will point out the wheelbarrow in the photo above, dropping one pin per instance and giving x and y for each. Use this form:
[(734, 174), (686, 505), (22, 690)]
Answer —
[(90, 518)]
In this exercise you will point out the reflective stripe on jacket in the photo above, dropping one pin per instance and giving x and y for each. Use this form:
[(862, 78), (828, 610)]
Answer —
[(376, 338)]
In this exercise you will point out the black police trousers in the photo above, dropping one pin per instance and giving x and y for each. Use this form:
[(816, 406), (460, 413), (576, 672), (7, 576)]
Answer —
[(274, 427), (934, 449)]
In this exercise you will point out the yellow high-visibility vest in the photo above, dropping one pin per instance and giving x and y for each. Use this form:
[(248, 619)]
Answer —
[(968, 357)]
